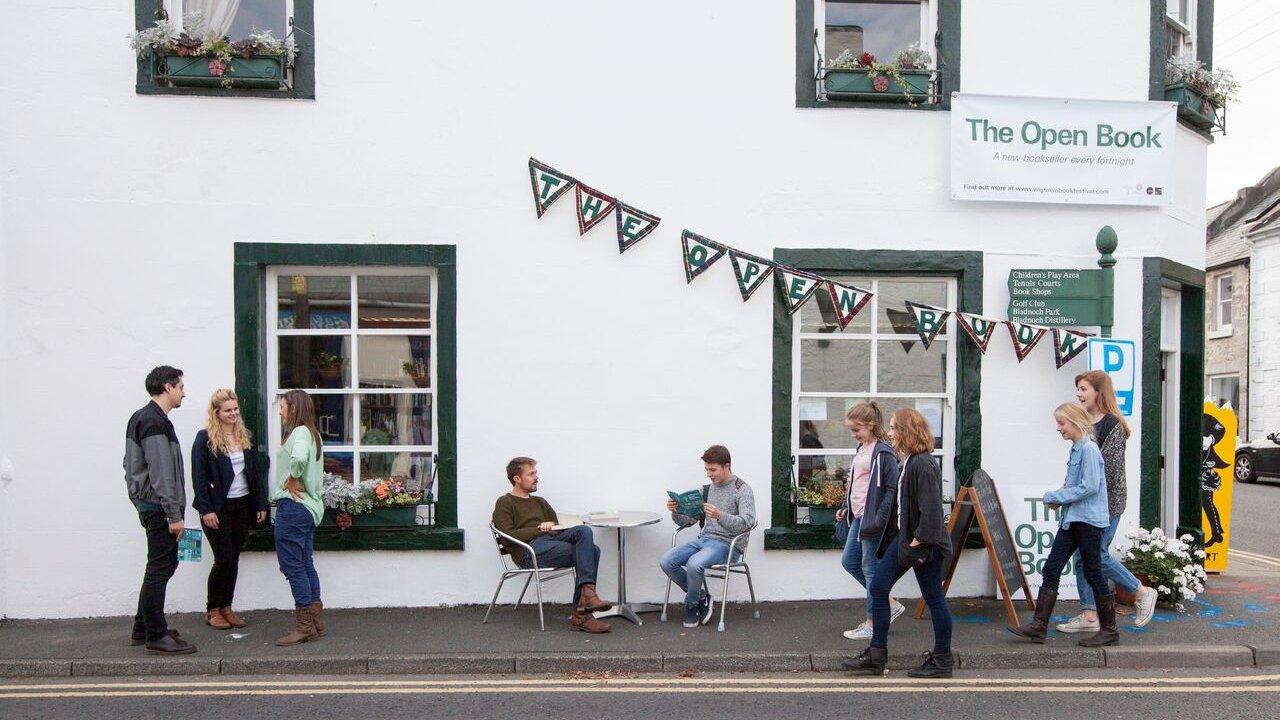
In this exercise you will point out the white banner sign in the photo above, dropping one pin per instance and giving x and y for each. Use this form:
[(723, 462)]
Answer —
[(1033, 526), (1098, 152)]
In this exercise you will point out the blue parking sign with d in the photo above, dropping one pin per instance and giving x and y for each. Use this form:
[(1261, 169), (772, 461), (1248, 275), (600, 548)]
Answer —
[(1119, 359)]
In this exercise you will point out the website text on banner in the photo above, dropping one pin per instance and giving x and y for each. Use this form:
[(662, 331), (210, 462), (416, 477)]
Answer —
[(1046, 150)]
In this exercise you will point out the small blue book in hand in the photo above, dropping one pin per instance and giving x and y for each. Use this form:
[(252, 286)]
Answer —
[(688, 503)]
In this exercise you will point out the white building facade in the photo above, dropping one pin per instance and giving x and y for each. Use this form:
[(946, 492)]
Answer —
[(386, 191)]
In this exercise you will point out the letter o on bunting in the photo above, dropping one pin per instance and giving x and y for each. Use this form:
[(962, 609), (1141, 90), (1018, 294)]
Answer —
[(979, 329), (699, 254)]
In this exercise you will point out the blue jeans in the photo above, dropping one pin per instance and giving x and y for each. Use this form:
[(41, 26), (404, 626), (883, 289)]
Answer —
[(859, 558), (295, 544), (929, 577), (574, 547), (687, 565), (1112, 570)]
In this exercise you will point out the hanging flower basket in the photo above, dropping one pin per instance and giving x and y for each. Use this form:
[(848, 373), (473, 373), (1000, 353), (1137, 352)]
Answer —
[(261, 71)]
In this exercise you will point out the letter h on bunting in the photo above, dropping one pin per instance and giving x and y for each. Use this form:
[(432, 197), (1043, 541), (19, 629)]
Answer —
[(593, 206)]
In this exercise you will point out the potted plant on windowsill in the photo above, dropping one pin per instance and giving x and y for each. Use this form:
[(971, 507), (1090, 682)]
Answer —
[(821, 494), (328, 366), (908, 78), (369, 504), (1202, 94), (417, 371), (194, 56)]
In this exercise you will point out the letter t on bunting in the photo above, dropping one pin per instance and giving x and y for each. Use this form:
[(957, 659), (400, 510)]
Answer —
[(979, 329), (699, 254), (797, 287), (929, 321), (593, 206), (1024, 337), (1067, 344), (847, 300), (633, 225), (750, 270), (548, 185)]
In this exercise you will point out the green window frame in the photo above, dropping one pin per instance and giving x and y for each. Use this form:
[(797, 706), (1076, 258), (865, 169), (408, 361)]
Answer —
[(1160, 49), (251, 334), (945, 50), (146, 12), (966, 268)]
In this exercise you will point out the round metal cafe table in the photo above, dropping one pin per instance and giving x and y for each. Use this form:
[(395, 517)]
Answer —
[(621, 521)]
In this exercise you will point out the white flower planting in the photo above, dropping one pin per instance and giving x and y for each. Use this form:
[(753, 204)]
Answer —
[(1170, 564)]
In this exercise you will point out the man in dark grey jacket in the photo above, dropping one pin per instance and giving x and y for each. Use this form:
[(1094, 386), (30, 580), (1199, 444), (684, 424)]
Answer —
[(154, 477)]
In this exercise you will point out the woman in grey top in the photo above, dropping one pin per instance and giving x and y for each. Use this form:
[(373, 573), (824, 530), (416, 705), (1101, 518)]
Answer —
[(1097, 396)]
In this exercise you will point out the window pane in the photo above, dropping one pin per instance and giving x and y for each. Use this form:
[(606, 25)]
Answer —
[(395, 419), (413, 468), (818, 315), (394, 302), (817, 469), (317, 302), (893, 294), (904, 366), (932, 409), (880, 28), (392, 361), (340, 463), (1225, 389), (333, 418), (314, 361), (821, 423), (835, 365), (259, 15)]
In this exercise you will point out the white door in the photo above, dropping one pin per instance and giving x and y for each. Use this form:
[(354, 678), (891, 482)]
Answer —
[(1170, 396)]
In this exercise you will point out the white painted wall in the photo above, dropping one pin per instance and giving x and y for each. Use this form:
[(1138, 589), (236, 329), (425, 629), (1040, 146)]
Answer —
[(119, 212), (1264, 336)]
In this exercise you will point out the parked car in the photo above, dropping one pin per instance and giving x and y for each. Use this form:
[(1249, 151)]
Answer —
[(1259, 459)]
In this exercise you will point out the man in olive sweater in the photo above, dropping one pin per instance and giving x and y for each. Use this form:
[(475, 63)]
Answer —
[(531, 520)]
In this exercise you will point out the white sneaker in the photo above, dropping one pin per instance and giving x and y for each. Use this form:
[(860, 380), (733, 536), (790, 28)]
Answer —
[(1144, 606), (1079, 624), (896, 610), (862, 632)]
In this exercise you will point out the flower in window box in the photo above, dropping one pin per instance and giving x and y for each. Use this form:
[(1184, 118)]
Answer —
[(880, 83), (865, 59), (343, 520), (217, 68)]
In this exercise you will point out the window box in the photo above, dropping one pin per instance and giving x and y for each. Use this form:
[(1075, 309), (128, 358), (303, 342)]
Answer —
[(1194, 107), (375, 518), (916, 86), (259, 71), (818, 515)]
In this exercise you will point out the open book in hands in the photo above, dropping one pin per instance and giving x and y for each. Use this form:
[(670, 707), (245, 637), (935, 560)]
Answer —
[(688, 503), (566, 520)]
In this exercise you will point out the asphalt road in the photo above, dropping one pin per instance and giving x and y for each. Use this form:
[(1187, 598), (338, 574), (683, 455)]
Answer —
[(1255, 517), (1210, 695)]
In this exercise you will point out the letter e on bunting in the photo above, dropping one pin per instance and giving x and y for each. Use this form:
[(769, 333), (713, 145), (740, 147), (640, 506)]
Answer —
[(1067, 344), (979, 329), (548, 185), (699, 254), (847, 301), (1024, 337), (797, 287), (633, 225), (593, 206), (750, 270), (929, 321)]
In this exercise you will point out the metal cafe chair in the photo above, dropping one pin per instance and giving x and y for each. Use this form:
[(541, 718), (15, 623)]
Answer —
[(536, 574), (722, 572)]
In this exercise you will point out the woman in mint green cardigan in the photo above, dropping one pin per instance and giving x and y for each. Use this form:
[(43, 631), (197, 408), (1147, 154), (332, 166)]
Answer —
[(296, 491)]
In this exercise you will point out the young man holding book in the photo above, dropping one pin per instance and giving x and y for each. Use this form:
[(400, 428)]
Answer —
[(532, 520), (728, 510)]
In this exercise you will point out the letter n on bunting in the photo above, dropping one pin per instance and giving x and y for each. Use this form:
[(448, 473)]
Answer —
[(548, 185), (929, 321), (633, 226), (979, 329), (847, 301), (797, 287), (699, 254), (1067, 344), (750, 270), (1024, 337), (593, 206)]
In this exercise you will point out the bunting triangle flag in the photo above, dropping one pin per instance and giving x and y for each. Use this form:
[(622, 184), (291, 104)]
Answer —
[(847, 301), (1024, 337), (593, 206), (699, 254), (1067, 344), (797, 286), (633, 225), (979, 329), (929, 321), (548, 185), (750, 270)]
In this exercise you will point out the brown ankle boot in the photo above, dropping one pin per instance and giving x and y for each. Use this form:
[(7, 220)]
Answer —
[(232, 618), (317, 611), (215, 620), (586, 622), (304, 629), (588, 600)]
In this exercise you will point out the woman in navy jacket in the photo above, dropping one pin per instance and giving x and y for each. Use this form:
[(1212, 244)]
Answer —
[(231, 496)]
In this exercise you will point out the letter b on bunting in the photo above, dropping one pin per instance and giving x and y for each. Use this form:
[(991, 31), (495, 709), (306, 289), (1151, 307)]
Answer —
[(929, 321)]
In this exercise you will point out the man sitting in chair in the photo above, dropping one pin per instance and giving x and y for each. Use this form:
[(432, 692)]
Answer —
[(531, 520), (729, 509)]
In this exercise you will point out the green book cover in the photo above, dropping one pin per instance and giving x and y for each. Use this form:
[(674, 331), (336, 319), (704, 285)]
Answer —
[(688, 503), (189, 545)]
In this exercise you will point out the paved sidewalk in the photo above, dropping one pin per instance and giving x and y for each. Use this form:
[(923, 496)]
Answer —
[(1236, 623)]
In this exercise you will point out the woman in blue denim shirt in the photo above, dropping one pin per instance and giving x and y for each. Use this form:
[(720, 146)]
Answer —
[(1083, 503)]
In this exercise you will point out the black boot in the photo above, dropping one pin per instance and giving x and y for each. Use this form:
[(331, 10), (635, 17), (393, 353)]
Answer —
[(935, 665), (868, 662), (1106, 634), (1036, 630)]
